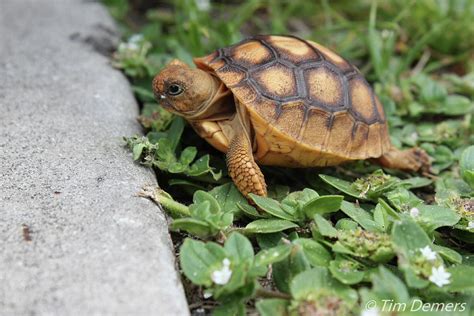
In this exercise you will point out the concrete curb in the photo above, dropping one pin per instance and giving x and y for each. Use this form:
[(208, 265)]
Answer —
[(74, 239)]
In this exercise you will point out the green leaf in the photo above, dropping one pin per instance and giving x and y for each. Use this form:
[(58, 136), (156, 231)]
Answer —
[(239, 247), (316, 254), (461, 279), (346, 271), (408, 237), (175, 131), (325, 227), (138, 150), (265, 226), (346, 224), (272, 307), (311, 282), (322, 205), (188, 155), (447, 253), (381, 217), (457, 105), (432, 216), (228, 197), (271, 207), (388, 286), (467, 166), (360, 216), (342, 185), (193, 226), (285, 270), (251, 211), (202, 196), (198, 259), (272, 255)]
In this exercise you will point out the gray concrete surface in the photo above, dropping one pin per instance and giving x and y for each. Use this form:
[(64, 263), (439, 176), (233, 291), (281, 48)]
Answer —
[(95, 248)]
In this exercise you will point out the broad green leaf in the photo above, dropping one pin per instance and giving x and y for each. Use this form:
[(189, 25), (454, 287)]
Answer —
[(272, 307), (360, 216), (270, 240), (193, 226), (467, 166), (447, 253), (202, 196), (408, 237), (284, 271), (230, 309), (415, 182), (188, 155), (175, 131), (264, 226), (432, 216), (402, 199), (316, 254), (325, 227), (381, 217), (138, 150), (389, 286), (201, 167), (462, 279), (346, 224), (228, 197), (342, 185), (251, 211), (272, 255), (346, 271), (239, 247), (316, 280), (322, 205), (198, 259), (271, 207)]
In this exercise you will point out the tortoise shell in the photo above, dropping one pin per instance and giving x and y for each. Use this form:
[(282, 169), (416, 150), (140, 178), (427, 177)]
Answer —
[(308, 106)]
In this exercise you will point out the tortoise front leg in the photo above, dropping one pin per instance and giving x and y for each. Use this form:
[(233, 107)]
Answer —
[(413, 159), (242, 167)]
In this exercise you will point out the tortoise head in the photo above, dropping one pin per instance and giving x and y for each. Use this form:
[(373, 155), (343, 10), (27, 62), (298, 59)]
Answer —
[(184, 90)]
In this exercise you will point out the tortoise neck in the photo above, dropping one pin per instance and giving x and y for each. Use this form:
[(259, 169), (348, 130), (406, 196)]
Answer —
[(219, 104)]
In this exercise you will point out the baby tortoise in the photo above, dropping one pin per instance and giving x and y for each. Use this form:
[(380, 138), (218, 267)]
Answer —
[(281, 101)]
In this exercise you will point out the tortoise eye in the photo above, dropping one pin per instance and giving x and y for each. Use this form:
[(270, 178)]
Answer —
[(174, 89)]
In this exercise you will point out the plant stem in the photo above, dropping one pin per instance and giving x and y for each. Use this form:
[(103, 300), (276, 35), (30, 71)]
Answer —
[(261, 292), (175, 208)]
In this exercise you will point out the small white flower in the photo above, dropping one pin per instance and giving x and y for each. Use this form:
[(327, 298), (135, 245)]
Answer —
[(414, 212), (470, 225), (136, 38), (207, 295), (439, 276), (133, 46), (203, 5), (428, 253), (226, 262), (370, 312), (223, 275), (386, 33)]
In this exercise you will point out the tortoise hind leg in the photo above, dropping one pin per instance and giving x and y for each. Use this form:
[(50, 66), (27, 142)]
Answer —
[(413, 159), (242, 167)]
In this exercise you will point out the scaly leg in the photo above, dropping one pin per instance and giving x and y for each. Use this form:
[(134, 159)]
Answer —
[(414, 159), (242, 167)]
